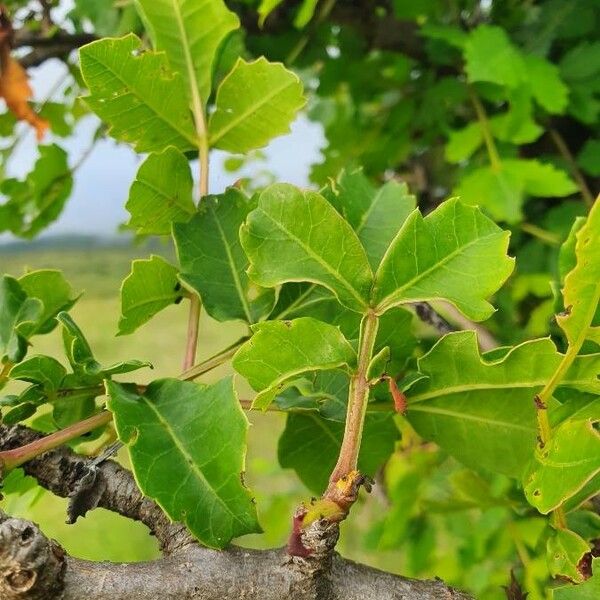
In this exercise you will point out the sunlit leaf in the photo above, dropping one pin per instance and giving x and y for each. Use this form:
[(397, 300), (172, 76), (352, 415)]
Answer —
[(190, 32), (256, 102), (375, 214), (136, 94), (455, 253), (482, 411)]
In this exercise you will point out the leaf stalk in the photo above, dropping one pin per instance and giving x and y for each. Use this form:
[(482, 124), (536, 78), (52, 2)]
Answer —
[(358, 399)]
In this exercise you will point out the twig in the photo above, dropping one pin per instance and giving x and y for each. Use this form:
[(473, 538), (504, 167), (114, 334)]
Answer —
[(562, 147), (10, 459), (486, 130)]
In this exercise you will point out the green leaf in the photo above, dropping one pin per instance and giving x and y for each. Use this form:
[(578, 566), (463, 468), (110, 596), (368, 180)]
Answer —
[(214, 264), (462, 143), (566, 551), (296, 235), (589, 590), (151, 286), (589, 157), (17, 311), (161, 193), (581, 292), (265, 8), (77, 348), (187, 445), (190, 32), (256, 102), (546, 84), (568, 461), (502, 191), (40, 198), (310, 445), (482, 411), (43, 370), (135, 93), (283, 350), (375, 214), (53, 290), (305, 13), (455, 254), (490, 56)]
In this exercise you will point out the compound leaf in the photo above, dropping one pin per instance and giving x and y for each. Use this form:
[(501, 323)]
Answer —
[(375, 214)]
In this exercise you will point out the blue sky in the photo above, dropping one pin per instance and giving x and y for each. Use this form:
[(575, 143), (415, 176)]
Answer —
[(102, 182)]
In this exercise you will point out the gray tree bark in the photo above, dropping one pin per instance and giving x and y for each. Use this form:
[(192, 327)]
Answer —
[(32, 567)]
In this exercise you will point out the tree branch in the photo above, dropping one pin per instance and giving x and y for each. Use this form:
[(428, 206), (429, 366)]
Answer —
[(107, 485), (35, 568)]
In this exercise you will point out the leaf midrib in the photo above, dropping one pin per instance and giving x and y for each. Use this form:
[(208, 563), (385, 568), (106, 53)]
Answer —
[(213, 139), (449, 391), (468, 417), (233, 268), (396, 295), (346, 284), (188, 458)]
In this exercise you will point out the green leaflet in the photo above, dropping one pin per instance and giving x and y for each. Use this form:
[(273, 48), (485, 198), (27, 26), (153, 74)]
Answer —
[(151, 286), (375, 214), (161, 193), (298, 236), (455, 254), (280, 351), (565, 551), (190, 32), (39, 199), (43, 370), (502, 191), (581, 290), (18, 312), (53, 290), (214, 264), (187, 444), (256, 102), (567, 463), (135, 93), (491, 56), (482, 412), (546, 84), (310, 445)]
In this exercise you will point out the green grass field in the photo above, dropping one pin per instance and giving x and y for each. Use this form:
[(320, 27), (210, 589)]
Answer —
[(98, 272)]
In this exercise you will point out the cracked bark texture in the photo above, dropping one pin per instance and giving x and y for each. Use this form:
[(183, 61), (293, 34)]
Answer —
[(32, 567)]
